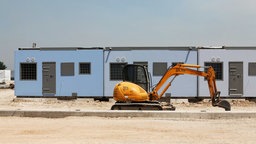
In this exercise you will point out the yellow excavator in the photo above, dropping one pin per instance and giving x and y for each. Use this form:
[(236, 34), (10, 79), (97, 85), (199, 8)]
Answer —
[(133, 93)]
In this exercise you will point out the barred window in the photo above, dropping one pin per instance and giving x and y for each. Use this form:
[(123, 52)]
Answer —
[(28, 71), (218, 68), (116, 71), (84, 68)]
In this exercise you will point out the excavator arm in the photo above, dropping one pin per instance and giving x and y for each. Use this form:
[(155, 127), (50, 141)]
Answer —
[(181, 69)]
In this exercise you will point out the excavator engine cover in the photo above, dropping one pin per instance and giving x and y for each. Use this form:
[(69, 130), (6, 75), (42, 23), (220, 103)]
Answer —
[(127, 91)]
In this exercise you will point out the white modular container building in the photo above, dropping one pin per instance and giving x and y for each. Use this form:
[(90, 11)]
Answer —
[(93, 72), (157, 60), (52, 72), (235, 70)]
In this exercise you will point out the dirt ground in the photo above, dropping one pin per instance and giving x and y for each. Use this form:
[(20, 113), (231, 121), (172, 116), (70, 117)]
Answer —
[(94, 130), (10, 102), (98, 130)]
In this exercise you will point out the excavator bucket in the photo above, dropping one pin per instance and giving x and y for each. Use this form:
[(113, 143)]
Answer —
[(216, 101), (224, 104)]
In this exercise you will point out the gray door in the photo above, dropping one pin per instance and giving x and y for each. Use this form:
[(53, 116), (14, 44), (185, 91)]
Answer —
[(235, 78), (49, 78)]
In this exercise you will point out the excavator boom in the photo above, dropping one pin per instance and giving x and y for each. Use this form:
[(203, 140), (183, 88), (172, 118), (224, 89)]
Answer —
[(181, 69)]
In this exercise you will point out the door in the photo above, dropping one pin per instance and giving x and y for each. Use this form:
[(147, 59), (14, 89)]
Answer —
[(235, 78), (49, 78)]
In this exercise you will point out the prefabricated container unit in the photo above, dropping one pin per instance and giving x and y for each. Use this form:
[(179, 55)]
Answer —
[(56, 72), (235, 70), (94, 72), (5, 76), (157, 60)]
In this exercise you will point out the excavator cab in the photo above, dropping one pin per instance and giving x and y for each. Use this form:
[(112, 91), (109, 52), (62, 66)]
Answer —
[(137, 74)]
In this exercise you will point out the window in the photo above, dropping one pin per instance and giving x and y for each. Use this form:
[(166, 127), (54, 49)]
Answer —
[(28, 71), (84, 68), (67, 69), (145, 64), (116, 71), (252, 69), (175, 63), (218, 68), (159, 68)]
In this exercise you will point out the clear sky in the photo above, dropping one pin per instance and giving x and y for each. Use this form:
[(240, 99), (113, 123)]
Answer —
[(93, 23)]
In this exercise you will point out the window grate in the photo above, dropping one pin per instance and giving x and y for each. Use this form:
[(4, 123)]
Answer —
[(218, 68), (85, 68), (28, 71), (116, 71)]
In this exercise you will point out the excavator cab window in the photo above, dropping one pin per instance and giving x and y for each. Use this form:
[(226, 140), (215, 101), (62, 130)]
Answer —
[(137, 74)]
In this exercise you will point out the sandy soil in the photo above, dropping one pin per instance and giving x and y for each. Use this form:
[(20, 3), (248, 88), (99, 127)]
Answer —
[(94, 130), (9, 101), (97, 130)]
